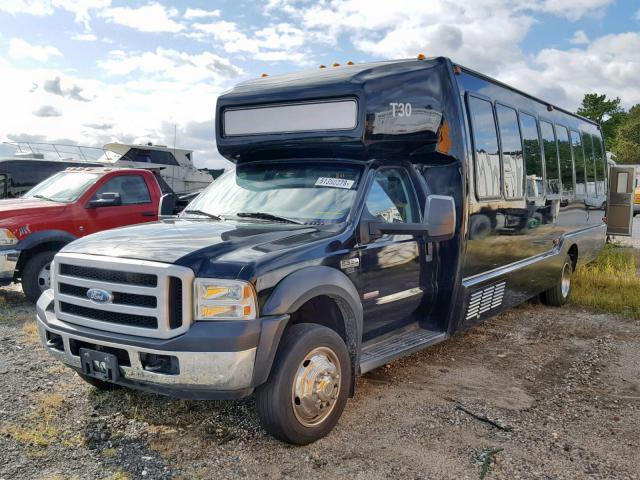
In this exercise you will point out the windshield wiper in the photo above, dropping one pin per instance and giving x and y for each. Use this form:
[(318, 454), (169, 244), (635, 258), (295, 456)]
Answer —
[(46, 198), (268, 216), (202, 212)]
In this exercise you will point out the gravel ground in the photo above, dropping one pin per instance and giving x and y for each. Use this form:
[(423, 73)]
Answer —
[(534, 393)]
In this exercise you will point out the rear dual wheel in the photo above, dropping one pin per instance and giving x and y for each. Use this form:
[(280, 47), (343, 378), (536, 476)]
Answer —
[(308, 386)]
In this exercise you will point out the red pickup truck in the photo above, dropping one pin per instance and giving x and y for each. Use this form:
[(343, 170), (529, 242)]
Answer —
[(70, 204)]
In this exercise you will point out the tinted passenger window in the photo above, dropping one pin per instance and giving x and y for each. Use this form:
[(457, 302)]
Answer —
[(601, 166), (550, 157), (566, 160), (3, 186), (390, 198), (512, 160), (578, 156), (485, 141), (132, 189), (590, 165), (532, 155), (139, 155)]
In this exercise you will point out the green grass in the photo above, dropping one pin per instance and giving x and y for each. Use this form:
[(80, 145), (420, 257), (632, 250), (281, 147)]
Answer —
[(610, 283)]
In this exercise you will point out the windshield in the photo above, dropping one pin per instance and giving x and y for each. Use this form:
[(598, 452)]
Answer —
[(303, 193), (64, 187)]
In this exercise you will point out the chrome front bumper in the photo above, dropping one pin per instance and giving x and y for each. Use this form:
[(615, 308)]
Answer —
[(8, 261), (201, 374)]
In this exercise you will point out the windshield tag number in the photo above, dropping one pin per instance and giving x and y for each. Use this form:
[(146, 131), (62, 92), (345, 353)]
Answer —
[(334, 182), (400, 109)]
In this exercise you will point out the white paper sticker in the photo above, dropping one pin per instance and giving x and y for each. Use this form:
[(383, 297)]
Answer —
[(334, 182)]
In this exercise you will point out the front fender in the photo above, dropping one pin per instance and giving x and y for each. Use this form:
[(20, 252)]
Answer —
[(45, 236), (301, 286)]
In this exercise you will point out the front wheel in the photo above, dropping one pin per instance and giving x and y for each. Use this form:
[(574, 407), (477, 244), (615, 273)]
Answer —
[(559, 293), (36, 274), (308, 386)]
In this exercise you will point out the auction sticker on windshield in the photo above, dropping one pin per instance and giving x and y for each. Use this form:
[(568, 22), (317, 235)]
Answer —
[(334, 182)]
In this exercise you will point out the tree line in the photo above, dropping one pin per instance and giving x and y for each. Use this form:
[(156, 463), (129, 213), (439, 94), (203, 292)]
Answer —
[(621, 128)]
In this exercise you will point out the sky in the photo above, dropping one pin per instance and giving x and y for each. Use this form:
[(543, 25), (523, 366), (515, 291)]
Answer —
[(94, 71)]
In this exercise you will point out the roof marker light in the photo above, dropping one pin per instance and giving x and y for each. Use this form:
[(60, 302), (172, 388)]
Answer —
[(457, 70), (322, 66), (350, 63), (421, 56), (264, 75), (335, 64)]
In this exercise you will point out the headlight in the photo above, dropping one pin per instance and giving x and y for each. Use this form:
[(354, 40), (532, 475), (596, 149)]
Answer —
[(7, 238), (224, 300)]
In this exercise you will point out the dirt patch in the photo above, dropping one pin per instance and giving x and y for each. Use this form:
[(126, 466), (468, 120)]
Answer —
[(534, 393)]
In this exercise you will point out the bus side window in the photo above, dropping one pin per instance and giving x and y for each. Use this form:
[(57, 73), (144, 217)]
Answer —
[(590, 165), (532, 156), (511, 148), (601, 166), (578, 156), (550, 157), (485, 145), (566, 161)]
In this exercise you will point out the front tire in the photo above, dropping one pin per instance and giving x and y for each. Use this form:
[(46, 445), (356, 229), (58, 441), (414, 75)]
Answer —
[(308, 386), (559, 293), (36, 274)]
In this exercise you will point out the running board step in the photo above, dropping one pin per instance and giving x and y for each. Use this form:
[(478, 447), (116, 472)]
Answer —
[(397, 346)]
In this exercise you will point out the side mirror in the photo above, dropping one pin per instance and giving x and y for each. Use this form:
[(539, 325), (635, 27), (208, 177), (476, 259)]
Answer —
[(439, 221), (167, 205), (107, 199)]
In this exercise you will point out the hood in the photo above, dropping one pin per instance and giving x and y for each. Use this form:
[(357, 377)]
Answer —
[(14, 207), (221, 248)]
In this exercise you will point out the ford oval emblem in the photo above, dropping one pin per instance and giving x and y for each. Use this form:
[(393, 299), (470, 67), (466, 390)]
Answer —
[(97, 295)]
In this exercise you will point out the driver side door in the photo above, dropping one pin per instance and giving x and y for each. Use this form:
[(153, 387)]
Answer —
[(390, 265)]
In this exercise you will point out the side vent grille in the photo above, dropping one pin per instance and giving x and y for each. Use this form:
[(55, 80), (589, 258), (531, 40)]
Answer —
[(486, 299)]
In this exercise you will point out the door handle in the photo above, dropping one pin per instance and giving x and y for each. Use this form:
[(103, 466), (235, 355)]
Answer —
[(148, 214)]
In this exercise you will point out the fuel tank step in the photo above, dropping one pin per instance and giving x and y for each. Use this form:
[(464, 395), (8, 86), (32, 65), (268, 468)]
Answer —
[(378, 352)]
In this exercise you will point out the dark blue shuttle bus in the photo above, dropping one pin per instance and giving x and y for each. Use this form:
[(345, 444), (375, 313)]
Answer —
[(374, 210)]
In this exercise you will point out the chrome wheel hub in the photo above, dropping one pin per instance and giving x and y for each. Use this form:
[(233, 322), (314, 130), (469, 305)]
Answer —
[(44, 277), (565, 282), (316, 386)]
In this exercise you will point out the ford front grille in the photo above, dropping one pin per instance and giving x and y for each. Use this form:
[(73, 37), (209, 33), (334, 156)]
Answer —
[(133, 297)]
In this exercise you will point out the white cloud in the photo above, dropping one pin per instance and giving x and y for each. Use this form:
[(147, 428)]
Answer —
[(81, 8), (637, 15), (171, 64), (130, 111), (21, 49), (571, 9), (579, 38), (609, 64), (274, 43), (28, 7), (84, 37), (47, 111), (200, 13), (479, 33), (152, 17)]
